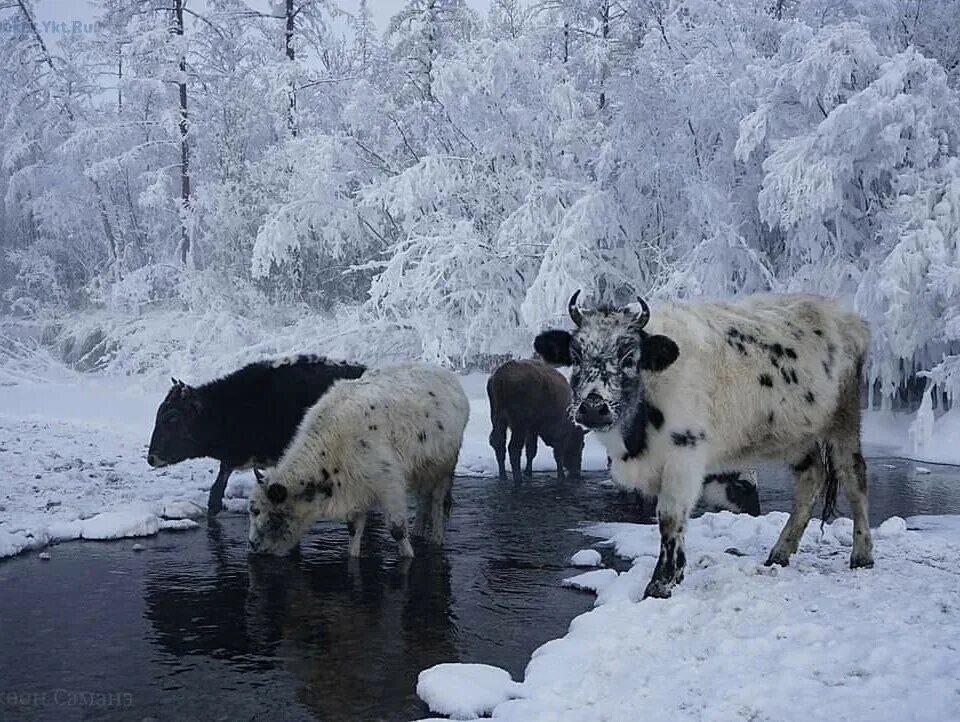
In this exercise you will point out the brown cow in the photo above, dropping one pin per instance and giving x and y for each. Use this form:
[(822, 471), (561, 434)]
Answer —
[(531, 399)]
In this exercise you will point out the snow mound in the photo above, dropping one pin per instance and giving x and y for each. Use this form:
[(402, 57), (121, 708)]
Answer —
[(594, 581), (814, 640), (465, 691), (181, 509), (178, 524), (894, 526), (119, 525), (586, 558)]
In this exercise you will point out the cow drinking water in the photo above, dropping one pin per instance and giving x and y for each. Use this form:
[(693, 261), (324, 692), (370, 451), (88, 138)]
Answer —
[(365, 443), (242, 419), (705, 386)]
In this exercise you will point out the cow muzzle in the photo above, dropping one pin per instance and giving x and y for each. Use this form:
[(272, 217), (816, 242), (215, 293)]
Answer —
[(594, 413), (155, 461)]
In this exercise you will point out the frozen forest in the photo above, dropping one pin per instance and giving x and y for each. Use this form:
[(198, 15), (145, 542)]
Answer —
[(222, 179)]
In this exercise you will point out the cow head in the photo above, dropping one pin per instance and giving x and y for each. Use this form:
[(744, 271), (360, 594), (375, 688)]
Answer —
[(278, 516), (178, 429), (610, 353)]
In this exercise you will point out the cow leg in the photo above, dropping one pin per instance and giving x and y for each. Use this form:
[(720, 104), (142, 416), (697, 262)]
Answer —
[(215, 500), (421, 521), (558, 458), (355, 524), (679, 491), (439, 506), (518, 437), (498, 440), (852, 473), (531, 452), (394, 503), (809, 476)]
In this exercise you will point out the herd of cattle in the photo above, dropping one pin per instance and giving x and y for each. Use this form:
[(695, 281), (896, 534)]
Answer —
[(678, 399)]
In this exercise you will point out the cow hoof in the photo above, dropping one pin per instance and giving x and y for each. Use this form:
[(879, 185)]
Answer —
[(658, 590), (214, 509), (778, 559), (503, 476), (528, 473), (861, 562)]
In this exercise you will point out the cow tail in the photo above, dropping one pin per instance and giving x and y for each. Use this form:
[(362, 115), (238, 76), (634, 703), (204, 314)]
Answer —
[(831, 484)]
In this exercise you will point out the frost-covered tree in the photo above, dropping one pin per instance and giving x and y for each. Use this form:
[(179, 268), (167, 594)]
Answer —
[(437, 188)]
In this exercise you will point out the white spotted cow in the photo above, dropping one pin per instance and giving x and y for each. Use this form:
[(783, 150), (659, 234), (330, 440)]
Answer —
[(365, 443), (698, 387)]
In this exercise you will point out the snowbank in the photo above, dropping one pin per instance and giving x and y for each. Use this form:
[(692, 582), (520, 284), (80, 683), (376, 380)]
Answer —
[(742, 641)]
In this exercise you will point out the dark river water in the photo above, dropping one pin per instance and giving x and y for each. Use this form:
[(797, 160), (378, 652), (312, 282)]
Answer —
[(192, 628)]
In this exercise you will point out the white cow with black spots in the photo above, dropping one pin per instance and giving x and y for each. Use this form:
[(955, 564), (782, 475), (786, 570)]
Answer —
[(366, 442), (696, 387)]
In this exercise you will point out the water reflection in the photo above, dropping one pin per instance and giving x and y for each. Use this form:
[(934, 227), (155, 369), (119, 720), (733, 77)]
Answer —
[(354, 634)]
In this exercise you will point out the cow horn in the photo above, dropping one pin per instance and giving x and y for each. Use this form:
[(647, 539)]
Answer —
[(575, 313), (644, 317), (259, 474)]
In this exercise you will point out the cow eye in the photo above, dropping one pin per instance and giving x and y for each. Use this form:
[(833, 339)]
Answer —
[(254, 511)]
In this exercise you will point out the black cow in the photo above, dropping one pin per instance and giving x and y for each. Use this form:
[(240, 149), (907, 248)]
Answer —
[(244, 419), (531, 399)]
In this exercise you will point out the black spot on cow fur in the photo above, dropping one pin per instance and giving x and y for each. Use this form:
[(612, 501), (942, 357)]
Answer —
[(431, 393), (770, 418), (777, 349), (421, 436), (793, 376), (635, 438), (364, 444), (311, 489), (765, 380), (687, 438), (655, 416), (440, 426), (809, 397), (326, 474), (805, 463), (818, 332), (372, 427), (791, 354), (277, 493)]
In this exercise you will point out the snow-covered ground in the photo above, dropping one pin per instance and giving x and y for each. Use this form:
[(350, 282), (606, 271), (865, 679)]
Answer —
[(73, 446), (740, 641)]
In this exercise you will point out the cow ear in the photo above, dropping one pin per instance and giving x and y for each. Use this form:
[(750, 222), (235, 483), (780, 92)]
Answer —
[(554, 347), (658, 353), (259, 474)]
